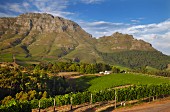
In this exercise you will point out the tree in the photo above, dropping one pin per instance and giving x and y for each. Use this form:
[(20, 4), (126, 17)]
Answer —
[(45, 94), (72, 67), (115, 70), (82, 68), (32, 95), (36, 69), (7, 99), (88, 68), (21, 96)]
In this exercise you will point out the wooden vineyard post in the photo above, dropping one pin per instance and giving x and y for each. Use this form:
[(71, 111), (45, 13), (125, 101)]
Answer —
[(39, 105), (91, 99), (54, 104), (115, 98), (71, 100)]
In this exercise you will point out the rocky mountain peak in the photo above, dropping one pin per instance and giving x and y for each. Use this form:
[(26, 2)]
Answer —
[(35, 15), (118, 35), (39, 22)]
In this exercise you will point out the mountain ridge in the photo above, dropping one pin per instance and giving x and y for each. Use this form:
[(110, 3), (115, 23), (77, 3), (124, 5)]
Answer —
[(43, 37)]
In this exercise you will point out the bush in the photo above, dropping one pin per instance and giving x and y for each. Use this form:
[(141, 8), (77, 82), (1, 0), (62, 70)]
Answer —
[(46, 102), (6, 100), (17, 107)]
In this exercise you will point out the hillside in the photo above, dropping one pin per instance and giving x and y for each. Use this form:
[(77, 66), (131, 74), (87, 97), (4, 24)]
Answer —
[(121, 42), (34, 37), (42, 37)]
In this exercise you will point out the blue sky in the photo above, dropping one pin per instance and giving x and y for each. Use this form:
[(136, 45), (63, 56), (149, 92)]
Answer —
[(145, 19)]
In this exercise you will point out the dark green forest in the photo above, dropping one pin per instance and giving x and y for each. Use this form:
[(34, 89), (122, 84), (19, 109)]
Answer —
[(138, 59)]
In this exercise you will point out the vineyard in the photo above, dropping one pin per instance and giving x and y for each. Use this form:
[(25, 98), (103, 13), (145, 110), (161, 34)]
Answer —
[(114, 80), (122, 94)]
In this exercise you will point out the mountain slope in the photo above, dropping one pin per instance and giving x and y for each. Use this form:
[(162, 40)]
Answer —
[(43, 37)]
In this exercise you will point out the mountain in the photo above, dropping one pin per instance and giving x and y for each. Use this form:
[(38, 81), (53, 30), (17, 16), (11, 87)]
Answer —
[(42, 37), (122, 42)]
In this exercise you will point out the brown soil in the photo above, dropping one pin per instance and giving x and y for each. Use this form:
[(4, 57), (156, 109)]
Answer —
[(160, 105)]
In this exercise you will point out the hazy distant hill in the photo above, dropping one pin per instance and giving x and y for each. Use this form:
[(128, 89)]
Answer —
[(43, 37)]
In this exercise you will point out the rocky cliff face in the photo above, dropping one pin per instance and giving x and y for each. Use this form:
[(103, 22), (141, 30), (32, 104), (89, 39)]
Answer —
[(41, 23), (45, 37)]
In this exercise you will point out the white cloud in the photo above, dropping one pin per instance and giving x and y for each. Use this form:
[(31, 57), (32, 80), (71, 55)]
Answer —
[(161, 42), (26, 4), (6, 15), (135, 21), (55, 7), (101, 28), (91, 1), (162, 27), (50, 5), (14, 7)]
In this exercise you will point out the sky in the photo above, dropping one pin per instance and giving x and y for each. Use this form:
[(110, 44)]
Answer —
[(148, 20)]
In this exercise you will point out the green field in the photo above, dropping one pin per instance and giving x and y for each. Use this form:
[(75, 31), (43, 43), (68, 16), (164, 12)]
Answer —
[(114, 80)]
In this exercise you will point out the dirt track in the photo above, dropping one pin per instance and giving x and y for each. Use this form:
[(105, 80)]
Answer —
[(162, 105), (153, 108)]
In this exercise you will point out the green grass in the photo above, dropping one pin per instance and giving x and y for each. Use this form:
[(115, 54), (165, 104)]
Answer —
[(114, 80)]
